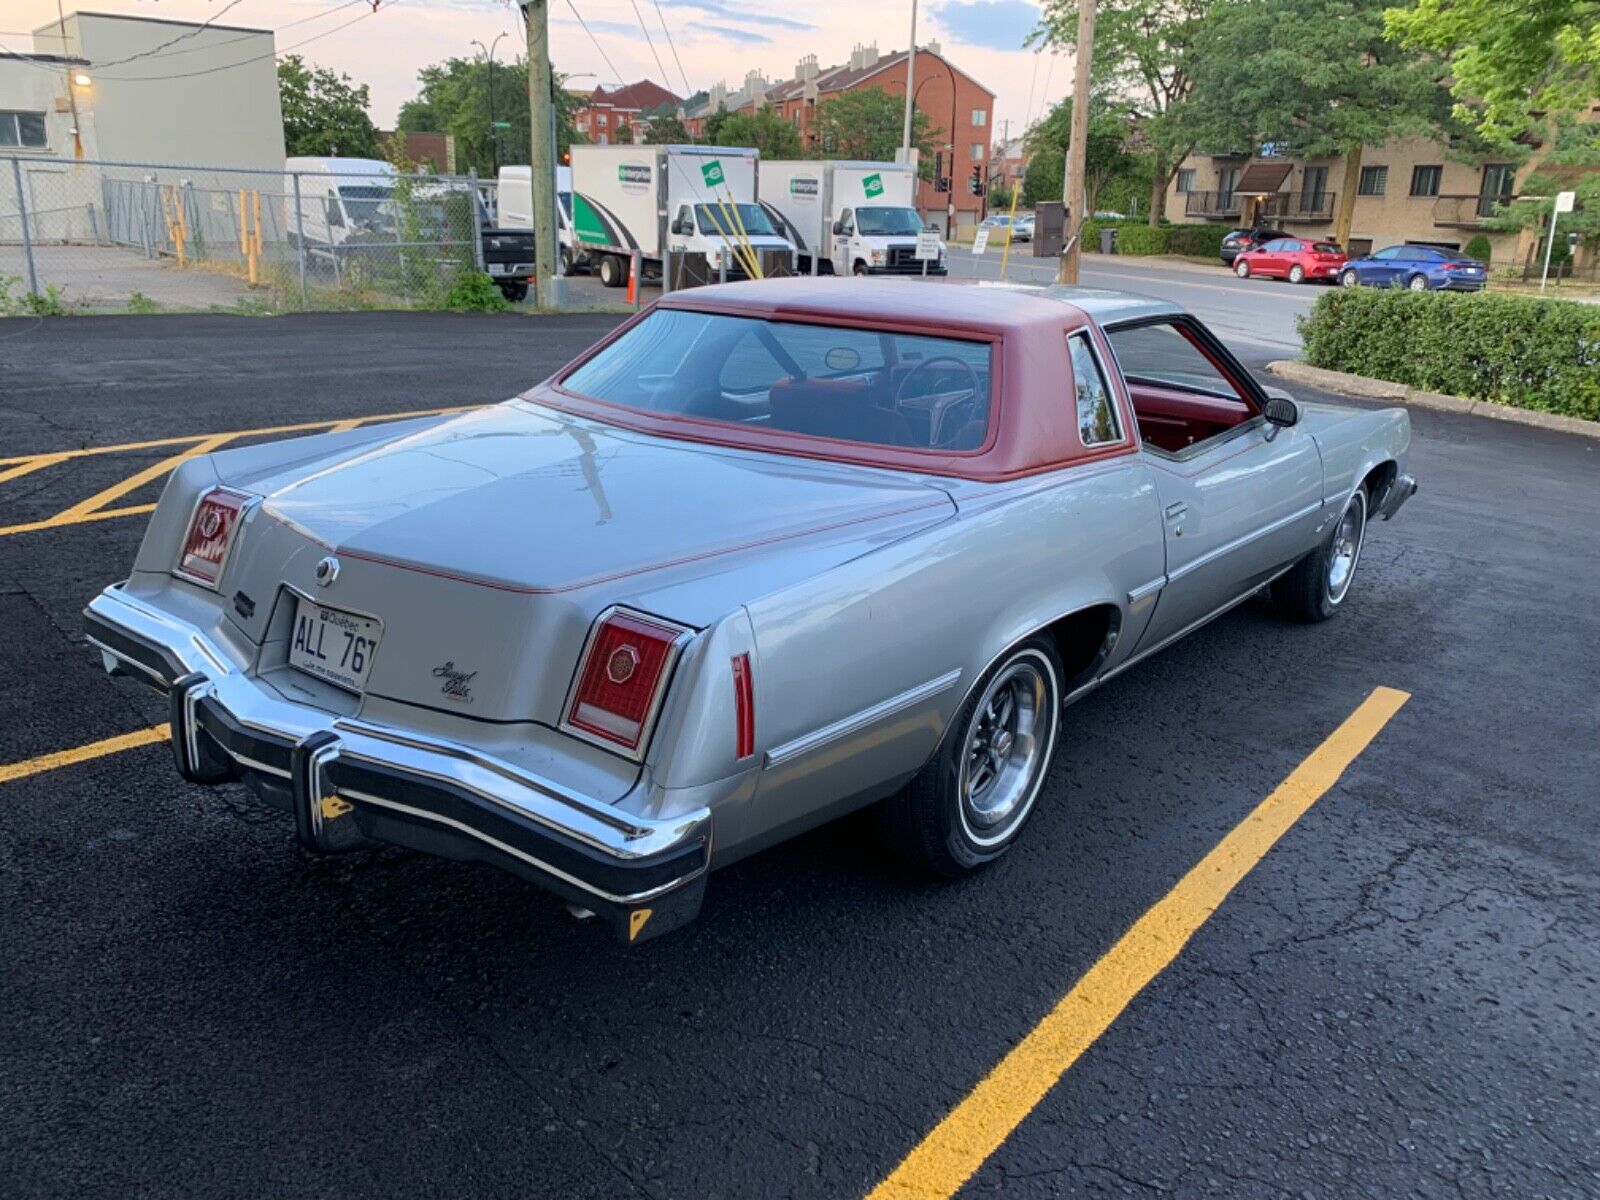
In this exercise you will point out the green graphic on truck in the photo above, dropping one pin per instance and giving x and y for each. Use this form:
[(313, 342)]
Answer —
[(872, 185), (713, 173)]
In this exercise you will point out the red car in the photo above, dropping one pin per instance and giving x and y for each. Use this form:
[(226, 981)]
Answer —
[(1293, 259)]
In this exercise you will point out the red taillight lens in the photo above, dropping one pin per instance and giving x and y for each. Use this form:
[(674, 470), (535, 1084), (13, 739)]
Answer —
[(744, 708), (621, 677), (1453, 266), (210, 536)]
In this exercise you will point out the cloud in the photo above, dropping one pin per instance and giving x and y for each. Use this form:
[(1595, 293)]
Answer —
[(745, 36), (599, 25), (744, 15), (995, 24)]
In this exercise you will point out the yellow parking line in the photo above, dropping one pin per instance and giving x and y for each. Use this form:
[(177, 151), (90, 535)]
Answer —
[(302, 427), (29, 466), (132, 510), (65, 758), (89, 507), (975, 1128)]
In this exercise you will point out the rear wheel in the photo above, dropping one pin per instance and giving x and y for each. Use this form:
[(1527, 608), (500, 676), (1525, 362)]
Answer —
[(566, 260), (1418, 283), (611, 273), (1297, 274), (1241, 268), (1349, 280), (515, 292), (968, 804), (1318, 584)]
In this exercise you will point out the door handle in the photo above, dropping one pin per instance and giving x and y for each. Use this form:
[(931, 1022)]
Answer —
[(1175, 511)]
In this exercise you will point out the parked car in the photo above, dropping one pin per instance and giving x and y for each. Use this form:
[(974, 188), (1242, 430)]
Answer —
[(1236, 240), (1294, 259), (731, 574), (1420, 268)]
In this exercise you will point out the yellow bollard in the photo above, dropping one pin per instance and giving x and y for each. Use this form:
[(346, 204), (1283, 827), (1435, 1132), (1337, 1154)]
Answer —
[(1005, 255), (244, 229), (256, 244)]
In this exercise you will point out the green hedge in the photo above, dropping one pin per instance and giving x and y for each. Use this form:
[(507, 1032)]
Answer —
[(1201, 241), (1517, 350), (1141, 239)]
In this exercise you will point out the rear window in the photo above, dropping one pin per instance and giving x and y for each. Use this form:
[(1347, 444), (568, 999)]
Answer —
[(1327, 248), (856, 385)]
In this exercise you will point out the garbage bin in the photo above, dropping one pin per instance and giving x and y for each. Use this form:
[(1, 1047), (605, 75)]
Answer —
[(1048, 222), (1108, 241)]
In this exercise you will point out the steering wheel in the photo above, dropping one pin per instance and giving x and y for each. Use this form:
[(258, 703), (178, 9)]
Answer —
[(939, 411)]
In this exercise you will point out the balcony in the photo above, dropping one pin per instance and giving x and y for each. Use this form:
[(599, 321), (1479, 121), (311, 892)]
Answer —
[(1309, 208), (1211, 205), (1465, 212)]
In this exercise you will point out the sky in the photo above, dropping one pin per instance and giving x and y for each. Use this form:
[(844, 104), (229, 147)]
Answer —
[(713, 39)]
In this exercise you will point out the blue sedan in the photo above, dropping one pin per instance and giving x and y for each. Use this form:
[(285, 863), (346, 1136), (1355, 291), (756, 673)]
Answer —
[(1420, 268)]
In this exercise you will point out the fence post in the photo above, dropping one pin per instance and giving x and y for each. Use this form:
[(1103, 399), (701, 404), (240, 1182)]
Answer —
[(27, 240), (477, 223), (300, 238)]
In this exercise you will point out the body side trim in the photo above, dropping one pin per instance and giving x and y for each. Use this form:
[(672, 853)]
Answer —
[(845, 726)]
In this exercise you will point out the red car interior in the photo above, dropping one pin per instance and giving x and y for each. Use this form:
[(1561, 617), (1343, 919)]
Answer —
[(1171, 419)]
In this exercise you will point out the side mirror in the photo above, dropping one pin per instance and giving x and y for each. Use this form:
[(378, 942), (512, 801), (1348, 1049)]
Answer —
[(838, 226), (1280, 408)]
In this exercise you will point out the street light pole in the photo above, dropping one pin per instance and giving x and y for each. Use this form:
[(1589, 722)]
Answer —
[(1073, 191), (494, 134)]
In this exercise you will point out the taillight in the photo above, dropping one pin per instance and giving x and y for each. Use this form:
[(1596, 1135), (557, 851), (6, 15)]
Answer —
[(744, 708), (210, 536), (1454, 266), (621, 678)]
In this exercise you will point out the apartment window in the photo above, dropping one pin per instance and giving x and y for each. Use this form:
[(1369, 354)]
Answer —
[(1185, 179), (23, 129), (600, 120), (979, 117), (1425, 180), (601, 139), (1373, 181), (977, 152)]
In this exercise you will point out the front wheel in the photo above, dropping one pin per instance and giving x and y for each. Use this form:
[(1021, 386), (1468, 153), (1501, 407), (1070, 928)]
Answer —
[(1241, 268), (1349, 280), (1297, 274), (859, 269), (966, 807), (1418, 283), (1318, 584)]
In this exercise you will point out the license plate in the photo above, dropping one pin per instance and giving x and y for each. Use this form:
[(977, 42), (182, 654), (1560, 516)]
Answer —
[(498, 268), (333, 645)]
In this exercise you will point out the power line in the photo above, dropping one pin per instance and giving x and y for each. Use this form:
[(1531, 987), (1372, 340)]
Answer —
[(650, 42), (615, 74), (182, 37), (254, 58), (674, 47)]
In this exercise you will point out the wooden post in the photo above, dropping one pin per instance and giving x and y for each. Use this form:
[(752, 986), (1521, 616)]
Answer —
[(1072, 183)]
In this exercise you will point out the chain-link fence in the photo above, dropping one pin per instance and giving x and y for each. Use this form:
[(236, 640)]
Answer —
[(101, 235)]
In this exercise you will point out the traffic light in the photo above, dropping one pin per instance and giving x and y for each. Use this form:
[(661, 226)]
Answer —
[(975, 184)]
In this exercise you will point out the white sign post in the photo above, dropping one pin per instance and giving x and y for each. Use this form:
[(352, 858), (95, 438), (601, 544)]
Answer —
[(927, 248), (1564, 203), (980, 242)]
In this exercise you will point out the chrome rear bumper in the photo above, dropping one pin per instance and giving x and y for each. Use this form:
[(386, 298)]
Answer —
[(1401, 490), (350, 782)]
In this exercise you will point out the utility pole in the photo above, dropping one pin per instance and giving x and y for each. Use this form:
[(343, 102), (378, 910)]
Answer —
[(1072, 184), (550, 289), (911, 71)]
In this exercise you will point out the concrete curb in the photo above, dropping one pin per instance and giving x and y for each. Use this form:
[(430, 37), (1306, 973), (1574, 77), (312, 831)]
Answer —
[(1382, 389)]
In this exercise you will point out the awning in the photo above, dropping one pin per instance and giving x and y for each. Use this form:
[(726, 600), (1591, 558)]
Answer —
[(1262, 178)]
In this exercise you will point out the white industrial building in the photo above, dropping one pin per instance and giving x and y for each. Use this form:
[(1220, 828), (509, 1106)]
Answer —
[(144, 90)]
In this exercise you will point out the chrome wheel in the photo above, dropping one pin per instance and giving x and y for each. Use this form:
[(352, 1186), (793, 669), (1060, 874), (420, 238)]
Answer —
[(1418, 284), (1349, 279), (1007, 747), (1297, 274), (1346, 549)]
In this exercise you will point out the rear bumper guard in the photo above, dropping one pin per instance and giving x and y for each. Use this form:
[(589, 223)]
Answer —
[(1401, 490), (350, 783)]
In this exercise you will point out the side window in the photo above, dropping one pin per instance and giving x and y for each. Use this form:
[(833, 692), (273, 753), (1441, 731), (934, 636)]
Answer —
[(847, 222), (1276, 246), (1388, 254), (1161, 355), (1097, 411), (334, 216)]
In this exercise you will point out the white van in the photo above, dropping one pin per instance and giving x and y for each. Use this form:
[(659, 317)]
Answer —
[(340, 198), (516, 211), (855, 218), (692, 200)]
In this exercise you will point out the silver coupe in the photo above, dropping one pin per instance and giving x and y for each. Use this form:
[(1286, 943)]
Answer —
[(768, 553)]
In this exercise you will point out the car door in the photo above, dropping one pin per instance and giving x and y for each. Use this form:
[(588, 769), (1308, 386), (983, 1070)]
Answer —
[(1380, 268), (1238, 505), (1269, 258)]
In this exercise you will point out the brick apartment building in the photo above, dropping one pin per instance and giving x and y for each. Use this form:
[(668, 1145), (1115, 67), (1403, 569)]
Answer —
[(603, 112), (959, 109), (1407, 190)]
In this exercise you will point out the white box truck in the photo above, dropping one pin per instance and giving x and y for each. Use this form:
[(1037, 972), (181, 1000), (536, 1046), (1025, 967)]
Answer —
[(515, 200), (692, 200), (856, 218)]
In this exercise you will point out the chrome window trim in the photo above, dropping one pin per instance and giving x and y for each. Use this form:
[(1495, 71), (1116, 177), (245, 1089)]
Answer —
[(860, 719), (1111, 395)]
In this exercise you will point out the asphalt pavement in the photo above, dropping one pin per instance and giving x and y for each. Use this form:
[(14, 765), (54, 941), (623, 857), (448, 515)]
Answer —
[(1400, 998)]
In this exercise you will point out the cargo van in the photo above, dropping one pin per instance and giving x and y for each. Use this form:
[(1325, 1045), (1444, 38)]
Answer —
[(853, 218), (340, 198), (516, 211), (692, 200)]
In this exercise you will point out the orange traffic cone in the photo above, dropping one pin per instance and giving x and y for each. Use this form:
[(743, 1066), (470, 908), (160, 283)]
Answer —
[(633, 286)]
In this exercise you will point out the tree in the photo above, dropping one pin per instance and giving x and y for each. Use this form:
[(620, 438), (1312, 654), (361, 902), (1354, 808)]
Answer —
[(714, 124), (1573, 164), (454, 99), (866, 123), (666, 130), (1511, 66), (1316, 76), (765, 130), (1106, 152), (324, 113), (1147, 49), (999, 195), (624, 134)]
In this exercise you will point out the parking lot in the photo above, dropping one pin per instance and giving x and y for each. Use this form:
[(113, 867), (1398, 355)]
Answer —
[(1398, 998)]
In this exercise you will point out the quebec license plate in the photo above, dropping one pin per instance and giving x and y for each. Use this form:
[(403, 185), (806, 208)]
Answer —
[(333, 645)]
